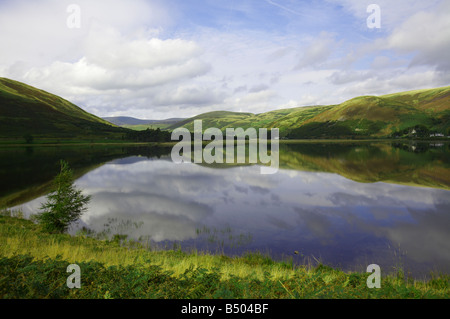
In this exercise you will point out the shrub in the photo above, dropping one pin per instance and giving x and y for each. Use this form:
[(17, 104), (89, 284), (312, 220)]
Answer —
[(65, 204)]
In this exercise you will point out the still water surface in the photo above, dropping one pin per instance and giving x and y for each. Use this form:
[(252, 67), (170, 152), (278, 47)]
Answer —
[(346, 205)]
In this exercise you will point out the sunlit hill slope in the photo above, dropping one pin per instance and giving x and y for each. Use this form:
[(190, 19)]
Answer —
[(416, 113), (25, 110)]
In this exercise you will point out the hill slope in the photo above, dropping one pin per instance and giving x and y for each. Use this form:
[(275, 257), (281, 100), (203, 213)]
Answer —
[(25, 110), (394, 115), (127, 121), (391, 114), (28, 110), (141, 125)]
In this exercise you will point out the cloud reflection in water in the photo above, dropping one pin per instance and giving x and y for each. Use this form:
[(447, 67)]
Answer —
[(343, 222)]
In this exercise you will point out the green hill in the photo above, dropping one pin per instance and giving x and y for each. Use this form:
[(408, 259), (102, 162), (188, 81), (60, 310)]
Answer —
[(131, 121), (225, 119), (25, 110), (142, 125), (417, 113), (395, 114)]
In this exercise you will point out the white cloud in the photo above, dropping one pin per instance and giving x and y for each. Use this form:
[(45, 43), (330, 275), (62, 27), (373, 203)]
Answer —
[(115, 55), (318, 51), (427, 34), (142, 58), (108, 48), (37, 31), (257, 97), (189, 95), (395, 80)]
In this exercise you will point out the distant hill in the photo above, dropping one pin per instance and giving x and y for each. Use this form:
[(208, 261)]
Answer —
[(417, 113), (126, 121), (26, 110)]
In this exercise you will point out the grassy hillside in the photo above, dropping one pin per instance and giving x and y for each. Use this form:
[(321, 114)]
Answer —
[(386, 115), (25, 110), (278, 118), (218, 119), (153, 124), (393, 115)]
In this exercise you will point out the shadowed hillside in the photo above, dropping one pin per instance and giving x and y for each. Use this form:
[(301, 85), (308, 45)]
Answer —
[(25, 110)]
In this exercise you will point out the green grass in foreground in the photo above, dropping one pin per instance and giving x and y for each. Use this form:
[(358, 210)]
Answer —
[(33, 264)]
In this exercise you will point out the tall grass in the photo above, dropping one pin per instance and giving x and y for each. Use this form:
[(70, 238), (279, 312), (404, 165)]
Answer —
[(30, 258), (20, 237)]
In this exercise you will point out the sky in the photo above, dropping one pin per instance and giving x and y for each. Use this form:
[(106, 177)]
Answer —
[(155, 59)]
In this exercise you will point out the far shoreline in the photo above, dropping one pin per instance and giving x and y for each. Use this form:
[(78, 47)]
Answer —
[(173, 143)]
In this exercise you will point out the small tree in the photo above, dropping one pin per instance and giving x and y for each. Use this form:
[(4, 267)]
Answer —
[(64, 205)]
